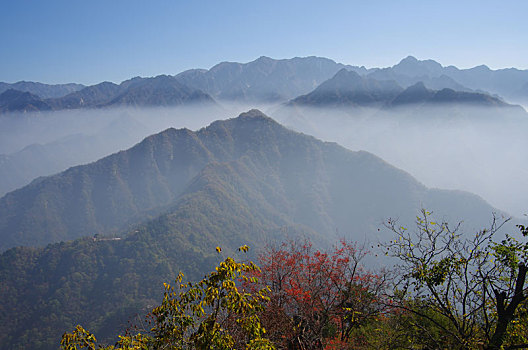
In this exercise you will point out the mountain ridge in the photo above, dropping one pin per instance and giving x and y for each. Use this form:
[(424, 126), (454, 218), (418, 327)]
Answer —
[(267, 80), (118, 190)]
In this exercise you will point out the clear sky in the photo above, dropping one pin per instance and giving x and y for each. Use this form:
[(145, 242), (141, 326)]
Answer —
[(58, 41)]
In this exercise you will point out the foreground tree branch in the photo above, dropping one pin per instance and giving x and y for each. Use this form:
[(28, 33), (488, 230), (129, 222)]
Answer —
[(470, 288)]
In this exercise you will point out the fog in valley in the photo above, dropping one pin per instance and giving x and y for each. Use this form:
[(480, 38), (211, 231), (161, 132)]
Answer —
[(45, 143), (447, 147)]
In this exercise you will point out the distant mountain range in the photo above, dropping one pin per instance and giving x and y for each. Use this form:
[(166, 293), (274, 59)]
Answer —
[(419, 94), (507, 83), (138, 92), (352, 92), (348, 88), (19, 101), (42, 90), (20, 168), (264, 80), (170, 200)]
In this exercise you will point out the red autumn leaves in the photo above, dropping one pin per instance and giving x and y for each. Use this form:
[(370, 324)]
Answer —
[(316, 298)]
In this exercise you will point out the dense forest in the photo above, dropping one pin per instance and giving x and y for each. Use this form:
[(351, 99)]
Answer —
[(446, 291)]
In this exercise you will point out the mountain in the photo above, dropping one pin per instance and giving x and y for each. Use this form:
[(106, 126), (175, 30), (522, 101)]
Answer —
[(312, 182), (18, 101), (410, 71), (348, 88), (416, 93), (503, 82), (164, 204), (18, 169), (419, 94), (265, 79), (91, 96), (103, 284), (158, 91), (410, 66), (162, 90), (42, 90)]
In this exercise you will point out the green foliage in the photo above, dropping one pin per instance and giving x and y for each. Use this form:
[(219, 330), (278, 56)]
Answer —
[(99, 284), (465, 292), (214, 313)]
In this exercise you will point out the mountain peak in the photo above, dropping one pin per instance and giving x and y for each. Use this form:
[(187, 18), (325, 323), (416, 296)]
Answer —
[(254, 114), (415, 68), (264, 58), (481, 68), (409, 59), (346, 77), (419, 86), (416, 93)]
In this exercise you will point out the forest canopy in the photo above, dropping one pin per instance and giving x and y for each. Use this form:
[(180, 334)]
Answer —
[(447, 290)]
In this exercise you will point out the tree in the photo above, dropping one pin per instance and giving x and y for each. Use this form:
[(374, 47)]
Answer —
[(317, 298), (214, 313), (465, 292)]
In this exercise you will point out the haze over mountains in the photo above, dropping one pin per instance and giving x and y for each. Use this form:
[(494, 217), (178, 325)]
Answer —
[(418, 90), (104, 196), (142, 165), (42, 90), (507, 83), (138, 92), (265, 80), (175, 196)]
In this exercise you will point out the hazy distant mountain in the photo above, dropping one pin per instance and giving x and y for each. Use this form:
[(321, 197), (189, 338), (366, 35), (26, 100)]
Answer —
[(419, 94), (303, 180), (442, 82), (18, 101), (348, 88), (411, 71), (91, 96), (522, 94), (412, 67), (162, 90), (416, 93), (265, 79), (42, 90), (158, 91), (18, 169), (504, 82)]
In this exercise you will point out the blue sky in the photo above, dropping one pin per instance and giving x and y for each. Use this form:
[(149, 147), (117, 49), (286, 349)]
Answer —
[(92, 41)]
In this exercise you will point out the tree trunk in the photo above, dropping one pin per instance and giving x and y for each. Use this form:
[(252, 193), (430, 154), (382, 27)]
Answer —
[(505, 312)]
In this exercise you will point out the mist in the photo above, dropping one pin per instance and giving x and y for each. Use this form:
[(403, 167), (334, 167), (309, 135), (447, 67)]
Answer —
[(448, 147), (451, 147), (42, 144)]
